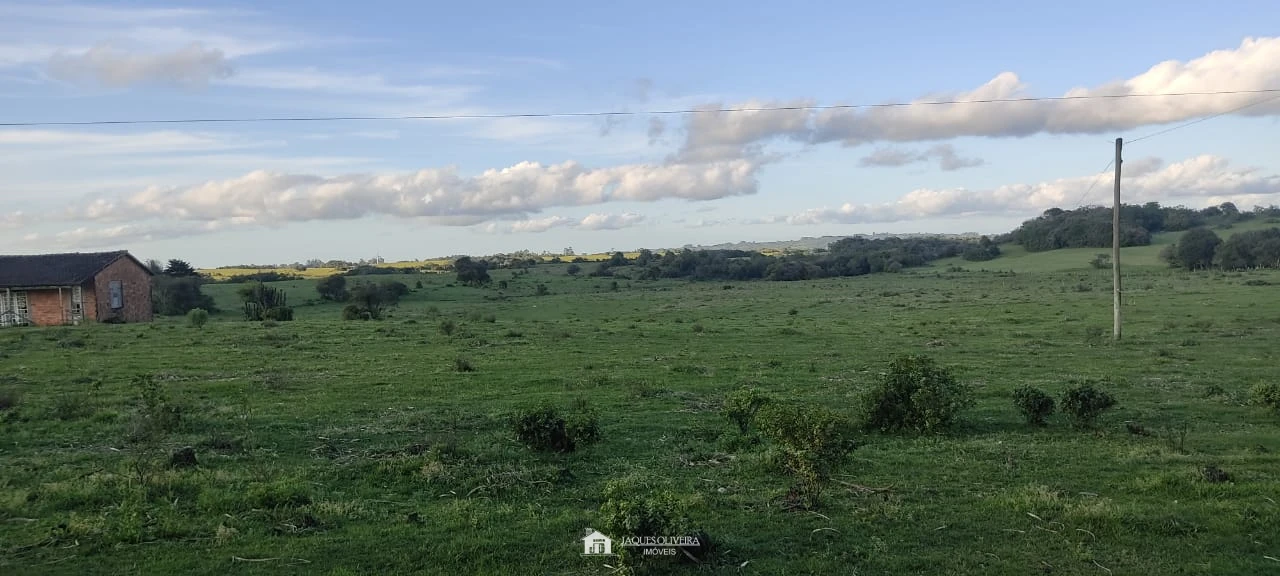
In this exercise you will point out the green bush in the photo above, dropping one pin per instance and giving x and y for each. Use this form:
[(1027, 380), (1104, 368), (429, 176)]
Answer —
[(463, 365), (353, 312), (1084, 403), (741, 406), (278, 314), (543, 428), (1267, 396), (636, 507), (198, 317), (814, 442), (448, 327), (917, 395), (1034, 404)]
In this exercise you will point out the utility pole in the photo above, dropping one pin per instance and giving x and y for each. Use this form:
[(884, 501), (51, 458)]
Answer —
[(1115, 247)]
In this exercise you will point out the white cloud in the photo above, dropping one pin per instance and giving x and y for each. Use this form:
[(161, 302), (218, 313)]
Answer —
[(192, 66), (593, 222), (611, 221), (1253, 65), (518, 190), (945, 154), (314, 80), (1202, 180)]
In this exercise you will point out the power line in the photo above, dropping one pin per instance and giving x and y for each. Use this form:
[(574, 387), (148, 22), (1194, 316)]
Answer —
[(1080, 203), (629, 113), (1204, 119)]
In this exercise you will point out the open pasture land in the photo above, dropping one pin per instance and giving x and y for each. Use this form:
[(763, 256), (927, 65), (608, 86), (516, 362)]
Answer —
[(383, 447)]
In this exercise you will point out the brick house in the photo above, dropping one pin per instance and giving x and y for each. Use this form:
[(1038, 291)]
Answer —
[(55, 289)]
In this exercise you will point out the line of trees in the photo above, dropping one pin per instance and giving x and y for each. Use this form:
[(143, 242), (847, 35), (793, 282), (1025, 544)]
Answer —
[(1202, 248), (1090, 227)]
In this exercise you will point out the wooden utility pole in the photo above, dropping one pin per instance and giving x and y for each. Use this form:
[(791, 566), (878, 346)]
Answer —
[(1115, 247)]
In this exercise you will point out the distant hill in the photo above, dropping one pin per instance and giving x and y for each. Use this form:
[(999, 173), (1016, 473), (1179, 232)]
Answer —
[(811, 243)]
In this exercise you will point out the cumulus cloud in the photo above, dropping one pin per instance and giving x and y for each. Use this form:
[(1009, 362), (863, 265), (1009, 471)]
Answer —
[(516, 191), (106, 65), (1203, 180), (1253, 65), (611, 221)]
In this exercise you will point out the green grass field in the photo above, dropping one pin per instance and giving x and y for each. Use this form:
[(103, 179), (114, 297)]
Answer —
[(331, 447)]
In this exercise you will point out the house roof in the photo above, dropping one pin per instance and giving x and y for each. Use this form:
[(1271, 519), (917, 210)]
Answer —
[(71, 269)]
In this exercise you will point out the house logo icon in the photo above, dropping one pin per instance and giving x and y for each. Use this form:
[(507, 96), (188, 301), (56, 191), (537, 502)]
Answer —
[(596, 544)]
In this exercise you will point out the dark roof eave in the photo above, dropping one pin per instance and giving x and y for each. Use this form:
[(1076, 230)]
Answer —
[(44, 287)]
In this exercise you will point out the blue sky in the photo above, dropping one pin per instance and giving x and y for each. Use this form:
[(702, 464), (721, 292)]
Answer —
[(219, 194)]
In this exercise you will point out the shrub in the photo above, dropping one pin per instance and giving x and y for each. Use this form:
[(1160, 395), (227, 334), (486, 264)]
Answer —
[(1101, 261), (542, 290), (157, 415), (1266, 396), (543, 428), (573, 270), (463, 365), (490, 318), (814, 442), (333, 288), (741, 406), (278, 314), (353, 312), (177, 296), (502, 284), (448, 327), (1034, 404), (1084, 403), (198, 317), (917, 395), (635, 507)]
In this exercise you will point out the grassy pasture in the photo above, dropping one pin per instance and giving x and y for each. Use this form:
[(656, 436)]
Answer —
[(330, 447)]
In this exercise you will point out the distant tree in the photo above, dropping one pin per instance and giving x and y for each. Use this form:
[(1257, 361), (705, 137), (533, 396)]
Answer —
[(333, 288), (618, 259), (1229, 210), (644, 257), (573, 270), (370, 301), (179, 269), (1252, 249), (1196, 248), (984, 250), (176, 296), (393, 289), (472, 272), (1101, 261)]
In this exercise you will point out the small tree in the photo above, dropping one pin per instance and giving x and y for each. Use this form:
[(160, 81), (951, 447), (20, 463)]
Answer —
[(814, 442), (573, 270), (1101, 261), (177, 296), (198, 317), (472, 272), (179, 269), (741, 406), (333, 288), (916, 394), (1196, 248)]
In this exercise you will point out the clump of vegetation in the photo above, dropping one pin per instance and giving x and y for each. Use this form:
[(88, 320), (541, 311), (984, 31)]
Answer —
[(742, 405), (472, 272), (1194, 250), (542, 290), (157, 414), (333, 288), (262, 302), (1035, 405), (72, 406), (1214, 474), (1085, 402), (461, 364), (814, 441), (175, 296), (370, 301), (917, 395), (489, 318), (1266, 396), (635, 507), (198, 317), (1101, 261), (545, 429), (448, 327)]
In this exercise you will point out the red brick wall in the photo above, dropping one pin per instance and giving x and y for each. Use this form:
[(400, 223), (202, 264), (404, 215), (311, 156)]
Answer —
[(45, 308), (137, 292)]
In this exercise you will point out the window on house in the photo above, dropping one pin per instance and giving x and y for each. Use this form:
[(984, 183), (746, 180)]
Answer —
[(13, 309), (117, 295), (77, 304)]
